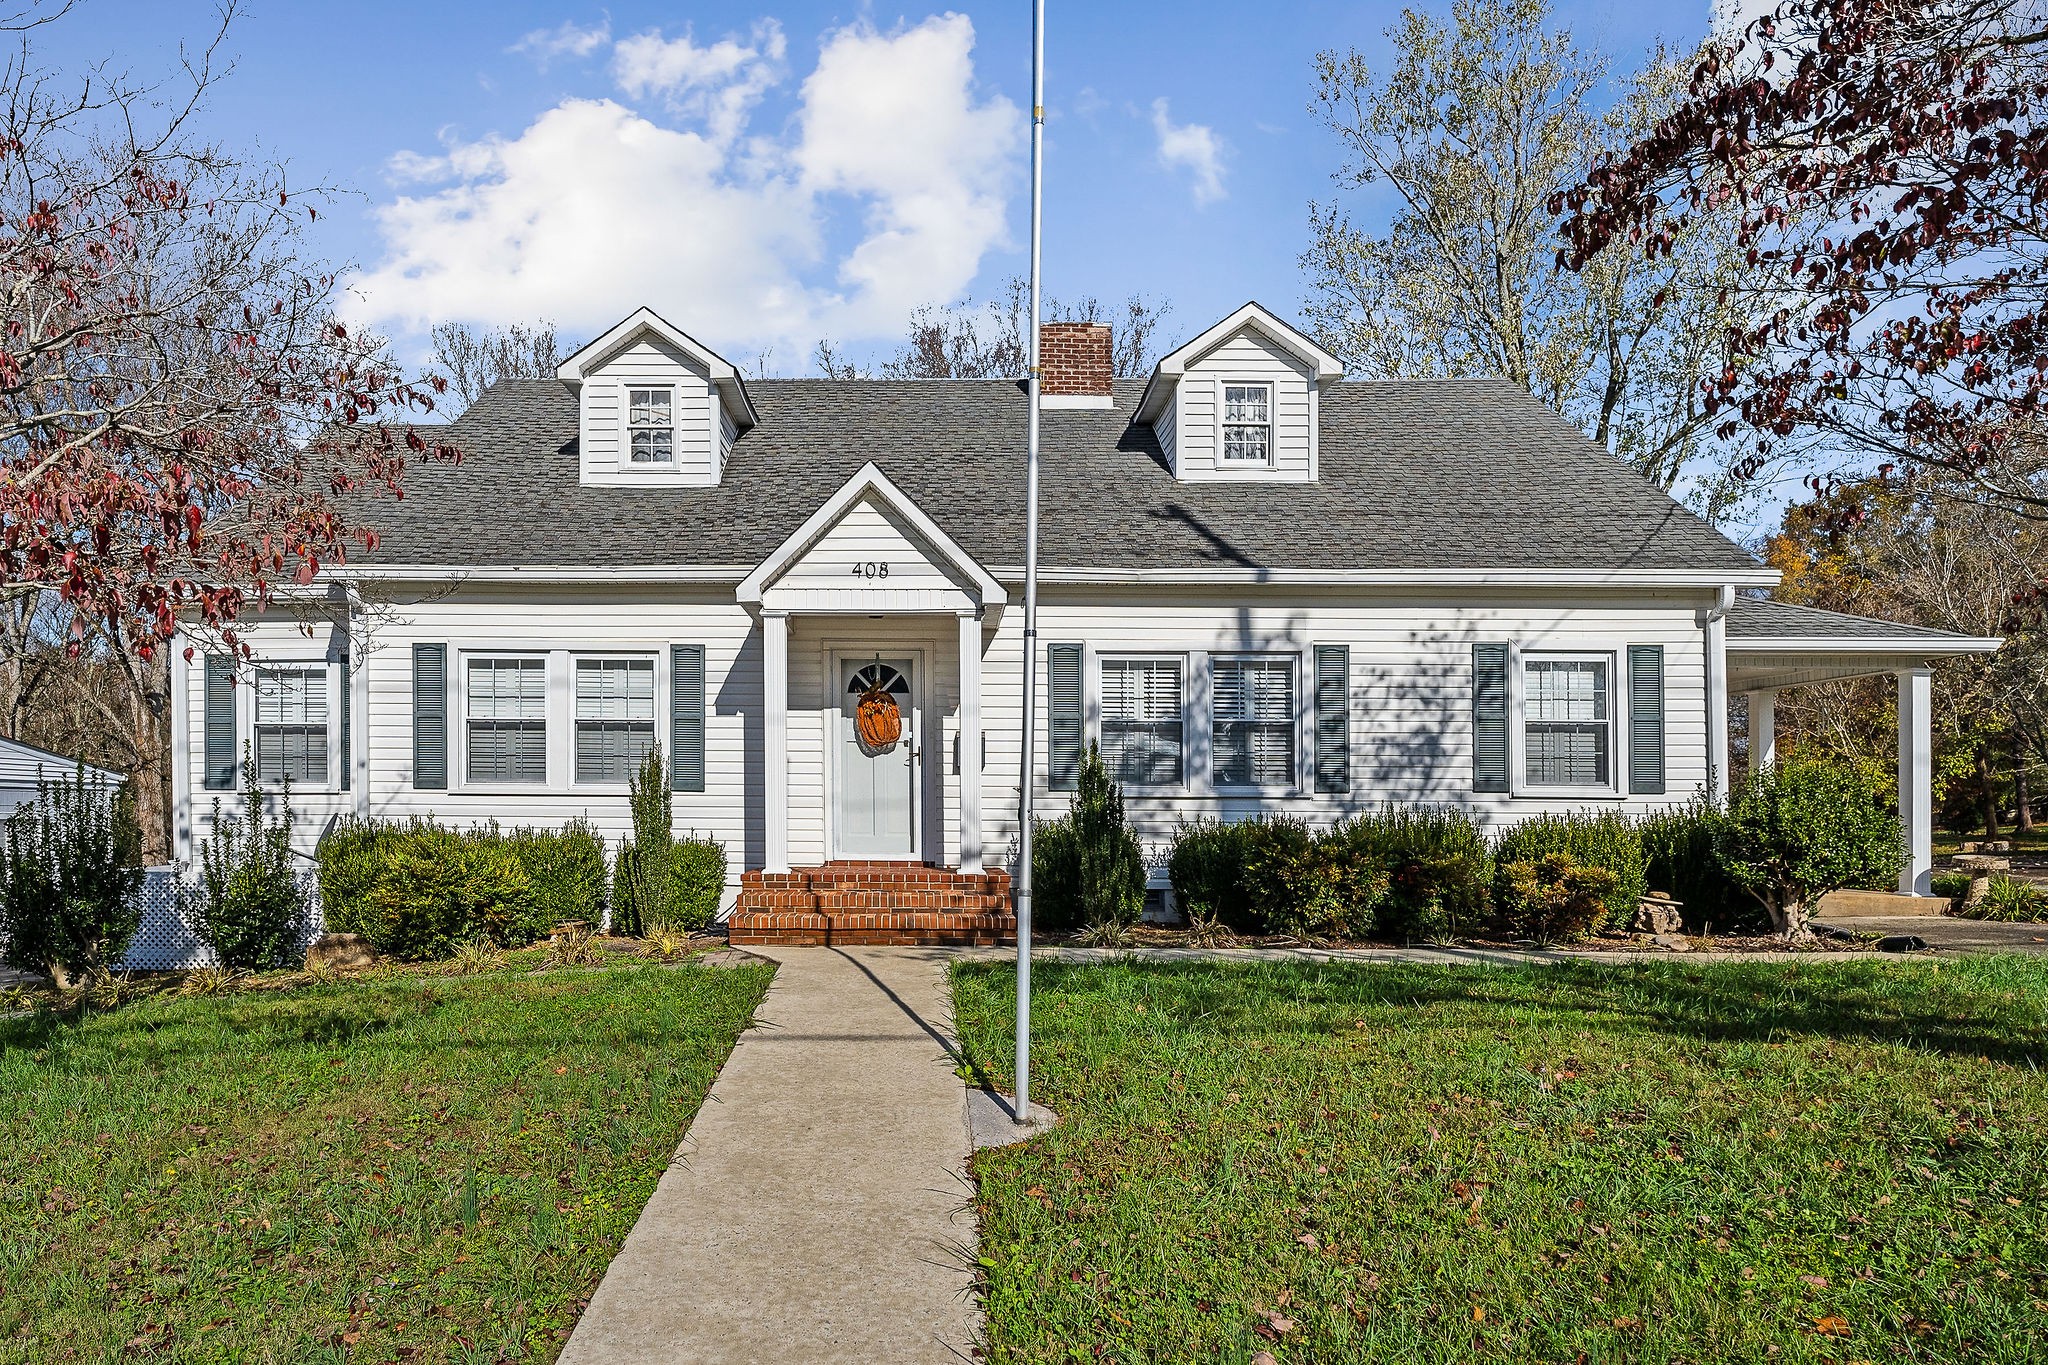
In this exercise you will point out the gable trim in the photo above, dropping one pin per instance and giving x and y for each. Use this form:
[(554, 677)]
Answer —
[(869, 481), (1167, 373), (725, 377)]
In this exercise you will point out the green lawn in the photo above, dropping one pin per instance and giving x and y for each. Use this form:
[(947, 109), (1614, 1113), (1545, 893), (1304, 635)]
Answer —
[(412, 1167), (1661, 1162)]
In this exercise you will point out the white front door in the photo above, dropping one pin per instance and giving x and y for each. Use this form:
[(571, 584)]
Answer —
[(875, 807)]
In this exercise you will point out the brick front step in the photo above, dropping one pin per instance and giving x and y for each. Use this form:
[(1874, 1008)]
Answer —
[(873, 903)]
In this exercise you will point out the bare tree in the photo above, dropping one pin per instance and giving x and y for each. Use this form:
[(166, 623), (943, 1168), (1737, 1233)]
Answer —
[(989, 340), (474, 358)]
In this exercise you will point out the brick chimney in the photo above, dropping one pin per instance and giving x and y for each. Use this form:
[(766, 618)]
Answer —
[(1073, 359)]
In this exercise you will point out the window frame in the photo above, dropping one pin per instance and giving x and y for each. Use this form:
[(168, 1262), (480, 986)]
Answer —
[(459, 686), (579, 657), (1519, 785), (1223, 423), (246, 725), (1094, 717), (666, 391), (1292, 658)]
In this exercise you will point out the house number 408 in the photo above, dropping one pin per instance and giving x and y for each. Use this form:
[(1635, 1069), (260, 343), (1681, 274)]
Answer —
[(871, 568)]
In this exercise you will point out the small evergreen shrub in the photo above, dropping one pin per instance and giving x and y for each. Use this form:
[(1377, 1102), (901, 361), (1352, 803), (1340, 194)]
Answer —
[(1951, 887), (352, 857), (441, 890), (71, 868), (250, 907), (1436, 864), (1589, 838), (566, 869), (1311, 885), (1206, 870), (1798, 830), (1552, 899), (698, 881), (1682, 856), (1086, 867)]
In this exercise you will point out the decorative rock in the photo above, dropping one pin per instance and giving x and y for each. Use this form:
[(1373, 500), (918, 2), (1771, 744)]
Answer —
[(1672, 943), (1657, 913), (1982, 862), (1986, 846), (342, 950)]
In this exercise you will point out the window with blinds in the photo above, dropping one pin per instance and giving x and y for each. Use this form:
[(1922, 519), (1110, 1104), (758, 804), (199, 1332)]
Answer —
[(1252, 721), (291, 725), (507, 712), (1248, 423), (651, 422), (1567, 722), (1143, 734), (614, 717)]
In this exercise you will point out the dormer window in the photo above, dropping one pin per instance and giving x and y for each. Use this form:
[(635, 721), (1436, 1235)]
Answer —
[(651, 420), (1247, 424)]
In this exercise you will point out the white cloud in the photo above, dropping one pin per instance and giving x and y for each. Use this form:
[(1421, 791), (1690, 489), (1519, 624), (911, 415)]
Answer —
[(1193, 147), (567, 39), (719, 84), (596, 208)]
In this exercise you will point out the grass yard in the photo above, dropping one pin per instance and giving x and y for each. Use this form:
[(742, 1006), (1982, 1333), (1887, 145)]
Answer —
[(412, 1167), (1605, 1162)]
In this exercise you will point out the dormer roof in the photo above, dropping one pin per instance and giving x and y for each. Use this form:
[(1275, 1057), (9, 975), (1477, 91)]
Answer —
[(1159, 388), (725, 377)]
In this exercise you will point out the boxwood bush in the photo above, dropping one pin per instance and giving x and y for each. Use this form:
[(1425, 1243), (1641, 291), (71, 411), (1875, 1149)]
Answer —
[(1086, 866), (1435, 863), (1551, 899), (1310, 884), (1682, 856), (1590, 838), (1206, 870)]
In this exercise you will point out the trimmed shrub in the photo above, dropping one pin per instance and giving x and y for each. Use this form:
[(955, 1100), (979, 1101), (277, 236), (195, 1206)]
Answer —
[(1796, 831), (441, 889), (1436, 866), (250, 907), (566, 869), (1590, 838), (71, 867), (1682, 856), (1311, 885), (1206, 869), (1086, 867), (1951, 887), (352, 857), (1552, 899)]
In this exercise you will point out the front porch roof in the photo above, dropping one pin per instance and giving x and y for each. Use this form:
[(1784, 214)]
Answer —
[(1774, 645)]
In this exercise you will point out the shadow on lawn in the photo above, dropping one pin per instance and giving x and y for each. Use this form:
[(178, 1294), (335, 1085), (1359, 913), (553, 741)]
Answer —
[(1723, 1002)]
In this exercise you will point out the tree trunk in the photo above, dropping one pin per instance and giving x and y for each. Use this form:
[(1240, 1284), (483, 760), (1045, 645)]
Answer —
[(1987, 794), (1788, 918), (2022, 798)]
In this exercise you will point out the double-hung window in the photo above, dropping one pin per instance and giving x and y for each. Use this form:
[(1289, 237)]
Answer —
[(507, 708), (614, 718), (1143, 730), (1252, 721), (651, 425), (291, 725), (1567, 720), (1247, 423)]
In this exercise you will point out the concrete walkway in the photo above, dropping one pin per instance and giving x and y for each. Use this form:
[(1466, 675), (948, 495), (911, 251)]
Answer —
[(819, 1209)]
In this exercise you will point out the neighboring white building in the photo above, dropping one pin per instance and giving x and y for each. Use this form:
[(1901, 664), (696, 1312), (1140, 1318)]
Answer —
[(23, 768), (1263, 589)]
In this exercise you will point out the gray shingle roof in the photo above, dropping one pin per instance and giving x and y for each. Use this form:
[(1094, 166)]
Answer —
[(1450, 474), (1760, 619)]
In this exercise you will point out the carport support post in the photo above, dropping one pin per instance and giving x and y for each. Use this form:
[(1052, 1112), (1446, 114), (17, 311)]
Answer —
[(1916, 778), (1763, 730)]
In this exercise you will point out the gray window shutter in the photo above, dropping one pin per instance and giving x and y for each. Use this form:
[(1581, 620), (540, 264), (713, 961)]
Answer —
[(1063, 716), (1646, 720), (1490, 718), (220, 723), (1333, 718), (345, 702), (686, 718), (430, 717)]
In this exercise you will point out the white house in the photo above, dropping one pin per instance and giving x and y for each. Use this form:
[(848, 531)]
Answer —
[(24, 768), (1263, 589)]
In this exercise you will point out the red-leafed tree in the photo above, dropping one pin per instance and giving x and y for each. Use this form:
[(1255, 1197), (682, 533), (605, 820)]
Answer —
[(184, 422), (1887, 161)]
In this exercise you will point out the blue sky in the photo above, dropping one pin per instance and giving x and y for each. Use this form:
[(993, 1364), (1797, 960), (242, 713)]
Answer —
[(767, 174)]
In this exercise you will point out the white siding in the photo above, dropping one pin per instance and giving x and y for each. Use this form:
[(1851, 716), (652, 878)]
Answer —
[(650, 362), (1193, 429), (1410, 686), (897, 570), (1165, 431)]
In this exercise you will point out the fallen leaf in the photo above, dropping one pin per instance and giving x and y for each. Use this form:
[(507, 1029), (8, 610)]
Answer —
[(1817, 1281), (1831, 1326), (1263, 1358), (1478, 1312), (1308, 1239), (1280, 1322)]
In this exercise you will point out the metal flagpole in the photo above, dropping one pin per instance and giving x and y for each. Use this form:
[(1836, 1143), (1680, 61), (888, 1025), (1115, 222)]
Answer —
[(1023, 1108)]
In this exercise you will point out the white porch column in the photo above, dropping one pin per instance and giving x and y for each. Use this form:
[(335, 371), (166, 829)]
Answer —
[(775, 740), (1763, 730), (970, 742), (1916, 778), (1717, 698)]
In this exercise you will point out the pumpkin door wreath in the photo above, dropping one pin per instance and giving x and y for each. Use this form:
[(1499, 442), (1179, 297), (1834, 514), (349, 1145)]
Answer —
[(876, 717)]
